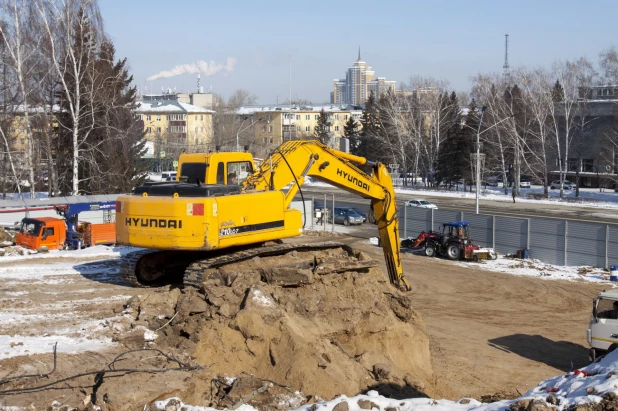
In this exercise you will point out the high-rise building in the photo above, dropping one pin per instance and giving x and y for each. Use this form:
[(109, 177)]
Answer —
[(358, 84)]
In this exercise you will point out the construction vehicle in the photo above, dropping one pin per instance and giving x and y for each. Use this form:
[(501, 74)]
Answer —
[(602, 332), (67, 232), (204, 220), (455, 243)]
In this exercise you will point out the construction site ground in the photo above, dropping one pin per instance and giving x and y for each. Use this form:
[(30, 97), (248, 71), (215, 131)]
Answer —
[(491, 335)]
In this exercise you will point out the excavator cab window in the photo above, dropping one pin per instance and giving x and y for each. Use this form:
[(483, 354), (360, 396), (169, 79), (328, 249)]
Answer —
[(193, 172), (221, 173), (240, 169)]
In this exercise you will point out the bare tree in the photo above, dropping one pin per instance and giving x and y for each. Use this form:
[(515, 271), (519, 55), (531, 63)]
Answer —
[(73, 30), (18, 31)]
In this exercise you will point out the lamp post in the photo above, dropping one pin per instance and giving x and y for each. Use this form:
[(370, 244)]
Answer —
[(240, 130), (478, 153), (478, 159)]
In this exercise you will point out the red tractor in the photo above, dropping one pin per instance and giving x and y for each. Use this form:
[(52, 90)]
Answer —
[(453, 243)]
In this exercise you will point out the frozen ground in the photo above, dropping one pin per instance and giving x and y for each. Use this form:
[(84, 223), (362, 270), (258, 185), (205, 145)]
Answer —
[(60, 296), (587, 385)]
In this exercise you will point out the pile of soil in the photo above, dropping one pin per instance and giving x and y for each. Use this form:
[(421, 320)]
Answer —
[(304, 320)]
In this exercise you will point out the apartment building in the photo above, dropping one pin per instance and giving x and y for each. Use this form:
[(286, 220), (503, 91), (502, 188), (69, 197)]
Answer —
[(276, 124), (172, 121)]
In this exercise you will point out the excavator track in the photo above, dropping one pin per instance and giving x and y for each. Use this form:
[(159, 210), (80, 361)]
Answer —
[(153, 268)]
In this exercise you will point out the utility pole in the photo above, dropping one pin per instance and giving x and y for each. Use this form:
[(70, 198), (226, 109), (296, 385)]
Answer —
[(478, 159)]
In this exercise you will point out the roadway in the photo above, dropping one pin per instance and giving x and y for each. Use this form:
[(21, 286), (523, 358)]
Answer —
[(508, 209), (494, 207)]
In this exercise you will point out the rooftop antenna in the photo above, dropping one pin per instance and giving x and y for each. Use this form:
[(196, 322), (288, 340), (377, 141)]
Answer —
[(506, 56), (198, 83)]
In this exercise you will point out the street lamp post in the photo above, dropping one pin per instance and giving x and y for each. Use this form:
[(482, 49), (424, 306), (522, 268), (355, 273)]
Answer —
[(240, 130), (478, 159), (478, 153)]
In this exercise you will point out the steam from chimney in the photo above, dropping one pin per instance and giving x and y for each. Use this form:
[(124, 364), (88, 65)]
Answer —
[(207, 68)]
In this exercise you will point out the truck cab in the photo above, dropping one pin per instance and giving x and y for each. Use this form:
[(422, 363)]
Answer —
[(602, 333), (45, 231)]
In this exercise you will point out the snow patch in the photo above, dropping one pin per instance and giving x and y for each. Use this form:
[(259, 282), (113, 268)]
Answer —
[(16, 345)]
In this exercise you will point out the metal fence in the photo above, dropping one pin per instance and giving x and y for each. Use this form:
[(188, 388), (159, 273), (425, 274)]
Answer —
[(553, 241)]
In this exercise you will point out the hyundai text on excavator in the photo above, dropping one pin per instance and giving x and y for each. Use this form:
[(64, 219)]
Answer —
[(222, 210)]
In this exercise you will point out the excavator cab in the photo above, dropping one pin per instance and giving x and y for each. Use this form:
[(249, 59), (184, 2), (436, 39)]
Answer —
[(230, 168)]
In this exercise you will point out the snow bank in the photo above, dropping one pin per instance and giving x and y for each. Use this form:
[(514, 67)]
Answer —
[(587, 385), (536, 268), (95, 251)]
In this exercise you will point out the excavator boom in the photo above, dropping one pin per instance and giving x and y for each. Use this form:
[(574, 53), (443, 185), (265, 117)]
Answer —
[(292, 161)]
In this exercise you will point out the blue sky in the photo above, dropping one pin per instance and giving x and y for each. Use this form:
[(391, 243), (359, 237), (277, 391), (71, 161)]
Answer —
[(449, 40)]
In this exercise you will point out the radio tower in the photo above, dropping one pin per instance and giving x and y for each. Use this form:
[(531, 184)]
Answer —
[(506, 56)]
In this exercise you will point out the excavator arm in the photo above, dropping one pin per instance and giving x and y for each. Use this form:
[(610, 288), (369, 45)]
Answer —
[(292, 161)]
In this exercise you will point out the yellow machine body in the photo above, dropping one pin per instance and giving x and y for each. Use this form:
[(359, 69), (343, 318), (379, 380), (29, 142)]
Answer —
[(185, 223), (205, 210)]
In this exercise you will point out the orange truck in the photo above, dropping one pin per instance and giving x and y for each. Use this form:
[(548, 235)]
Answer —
[(58, 233)]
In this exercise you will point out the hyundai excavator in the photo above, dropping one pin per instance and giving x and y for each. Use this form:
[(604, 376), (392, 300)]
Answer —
[(223, 210)]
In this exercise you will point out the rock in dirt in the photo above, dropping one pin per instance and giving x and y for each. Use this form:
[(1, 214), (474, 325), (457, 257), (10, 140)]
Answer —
[(6, 238), (340, 333)]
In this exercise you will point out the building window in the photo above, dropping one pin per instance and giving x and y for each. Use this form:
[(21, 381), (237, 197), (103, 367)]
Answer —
[(317, 116), (336, 128), (336, 116), (196, 129), (307, 129), (147, 129), (270, 129), (148, 117), (298, 117), (588, 165), (158, 129), (573, 164), (271, 139), (345, 116), (265, 140), (307, 116), (158, 117), (264, 129), (202, 117)]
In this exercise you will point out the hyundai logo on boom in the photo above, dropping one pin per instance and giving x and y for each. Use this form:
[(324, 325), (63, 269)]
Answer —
[(353, 179), (153, 222)]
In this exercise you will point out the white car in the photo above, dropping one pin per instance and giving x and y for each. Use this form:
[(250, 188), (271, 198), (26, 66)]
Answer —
[(555, 185), (420, 203), (524, 183)]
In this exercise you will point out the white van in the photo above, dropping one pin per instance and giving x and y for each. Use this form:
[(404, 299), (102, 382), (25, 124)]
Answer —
[(602, 333)]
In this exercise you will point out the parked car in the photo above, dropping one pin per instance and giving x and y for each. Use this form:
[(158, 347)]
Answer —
[(420, 203), (524, 183), (357, 211), (346, 216), (495, 181), (555, 185)]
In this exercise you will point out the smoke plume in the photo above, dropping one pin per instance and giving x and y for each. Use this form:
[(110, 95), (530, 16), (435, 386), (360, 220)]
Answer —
[(207, 68)]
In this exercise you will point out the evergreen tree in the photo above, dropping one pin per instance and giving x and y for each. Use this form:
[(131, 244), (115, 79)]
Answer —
[(364, 144), (350, 129), (322, 129), (448, 167), (557, 93)]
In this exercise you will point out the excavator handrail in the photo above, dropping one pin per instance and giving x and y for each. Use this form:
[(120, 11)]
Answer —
[(292, 161)]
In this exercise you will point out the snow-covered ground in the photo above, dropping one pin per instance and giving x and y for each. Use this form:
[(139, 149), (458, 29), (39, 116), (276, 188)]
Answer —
[(586, 385), (536, 268), (67, 301)]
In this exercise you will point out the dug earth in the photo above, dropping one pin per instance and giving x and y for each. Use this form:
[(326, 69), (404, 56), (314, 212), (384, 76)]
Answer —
[(322, 323)]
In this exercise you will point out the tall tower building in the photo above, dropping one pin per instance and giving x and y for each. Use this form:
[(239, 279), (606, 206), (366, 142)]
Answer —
[(359, 82)]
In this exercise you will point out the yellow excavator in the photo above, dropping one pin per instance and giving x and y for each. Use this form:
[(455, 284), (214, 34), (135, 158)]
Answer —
[(222, 210)]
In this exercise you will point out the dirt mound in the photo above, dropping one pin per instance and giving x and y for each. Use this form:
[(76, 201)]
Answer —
[(335, 326)]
